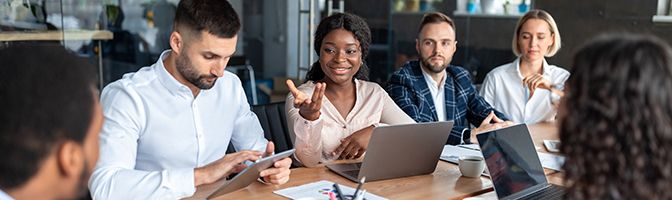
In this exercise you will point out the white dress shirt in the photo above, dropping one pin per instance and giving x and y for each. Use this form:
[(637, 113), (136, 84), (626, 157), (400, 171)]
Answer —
[(5, 196), (155, 133), (503, 88), (438, 93), (316, 140)]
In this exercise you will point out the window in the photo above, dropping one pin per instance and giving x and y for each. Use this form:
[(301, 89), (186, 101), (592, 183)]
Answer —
[(492, 8)]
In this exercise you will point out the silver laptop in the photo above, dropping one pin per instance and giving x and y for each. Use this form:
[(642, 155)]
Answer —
[(399, 151), (514, 166)]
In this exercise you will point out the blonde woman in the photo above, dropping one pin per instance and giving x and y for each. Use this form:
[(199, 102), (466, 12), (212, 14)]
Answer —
[(527, 89)]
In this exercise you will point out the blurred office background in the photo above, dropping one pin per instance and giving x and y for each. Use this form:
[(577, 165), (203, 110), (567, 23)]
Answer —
[(120, 36)]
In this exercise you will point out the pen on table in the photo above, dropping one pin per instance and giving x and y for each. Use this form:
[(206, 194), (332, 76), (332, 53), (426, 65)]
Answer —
[(361, 195), (359, 186), (338, 190)]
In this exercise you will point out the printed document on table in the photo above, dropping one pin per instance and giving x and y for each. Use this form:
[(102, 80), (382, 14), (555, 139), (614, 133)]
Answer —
[(452, 153), (551, 161), (321, 190)]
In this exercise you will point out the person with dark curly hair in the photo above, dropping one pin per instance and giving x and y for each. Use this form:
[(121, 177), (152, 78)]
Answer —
[(615, 120), (333, 114)]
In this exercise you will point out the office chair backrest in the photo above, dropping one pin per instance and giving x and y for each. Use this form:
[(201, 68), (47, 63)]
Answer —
[(273, 120)]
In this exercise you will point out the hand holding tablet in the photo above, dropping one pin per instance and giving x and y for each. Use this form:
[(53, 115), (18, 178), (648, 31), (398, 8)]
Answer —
[(246, 177)]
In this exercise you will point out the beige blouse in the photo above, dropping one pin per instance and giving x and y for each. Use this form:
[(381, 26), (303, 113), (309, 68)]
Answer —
[(315, 140)]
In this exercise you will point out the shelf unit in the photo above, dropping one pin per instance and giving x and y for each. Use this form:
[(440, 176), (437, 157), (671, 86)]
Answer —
[(62, 35)]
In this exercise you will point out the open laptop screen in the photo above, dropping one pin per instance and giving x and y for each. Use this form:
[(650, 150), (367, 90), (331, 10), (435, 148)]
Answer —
[(511, 159)]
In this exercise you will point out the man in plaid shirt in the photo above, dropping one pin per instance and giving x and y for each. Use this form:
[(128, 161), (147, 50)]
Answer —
[(433, 90)]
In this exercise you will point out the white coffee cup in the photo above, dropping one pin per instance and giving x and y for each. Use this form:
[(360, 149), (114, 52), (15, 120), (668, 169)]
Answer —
[(471, 166)]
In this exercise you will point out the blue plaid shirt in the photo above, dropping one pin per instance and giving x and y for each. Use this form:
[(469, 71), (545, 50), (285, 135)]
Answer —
[(409, 90)]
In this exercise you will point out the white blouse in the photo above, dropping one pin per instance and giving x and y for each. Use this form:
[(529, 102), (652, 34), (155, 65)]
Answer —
[(503, 88), (315, 140)]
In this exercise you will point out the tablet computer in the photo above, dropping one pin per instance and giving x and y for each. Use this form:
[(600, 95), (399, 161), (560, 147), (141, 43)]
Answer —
[(243, 179)]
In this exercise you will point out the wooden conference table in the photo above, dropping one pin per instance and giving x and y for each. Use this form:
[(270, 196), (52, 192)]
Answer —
[(445, 183)]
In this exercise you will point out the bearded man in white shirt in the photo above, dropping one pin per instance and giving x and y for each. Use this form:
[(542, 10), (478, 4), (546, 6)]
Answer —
[(168, 125)]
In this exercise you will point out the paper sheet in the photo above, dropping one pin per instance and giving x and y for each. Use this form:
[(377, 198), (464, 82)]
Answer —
[(320, 190), (452, 153), (551, 161)]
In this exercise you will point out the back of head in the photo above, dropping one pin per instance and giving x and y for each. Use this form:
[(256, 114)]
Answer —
[(616, 119), (217, 17), (47, 97)]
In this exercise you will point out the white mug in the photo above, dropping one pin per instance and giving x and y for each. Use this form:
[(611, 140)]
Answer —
[(471, 166)]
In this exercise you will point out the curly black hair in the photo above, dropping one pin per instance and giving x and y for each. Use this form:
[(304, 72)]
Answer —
[(349, 22), (616, 128)]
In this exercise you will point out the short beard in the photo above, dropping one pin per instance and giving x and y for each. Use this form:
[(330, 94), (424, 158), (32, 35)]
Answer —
[(432, 68), (184, 67)]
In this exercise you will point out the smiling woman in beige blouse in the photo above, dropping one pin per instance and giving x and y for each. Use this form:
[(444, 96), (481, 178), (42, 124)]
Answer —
[(333, 114)]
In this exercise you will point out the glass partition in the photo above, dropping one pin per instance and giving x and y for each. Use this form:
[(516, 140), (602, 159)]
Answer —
[(73, 24)]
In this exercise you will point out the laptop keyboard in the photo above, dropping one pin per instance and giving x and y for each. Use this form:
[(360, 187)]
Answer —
[(552, 192)]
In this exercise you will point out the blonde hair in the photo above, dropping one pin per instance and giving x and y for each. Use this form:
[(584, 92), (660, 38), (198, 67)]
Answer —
[(542, 15)]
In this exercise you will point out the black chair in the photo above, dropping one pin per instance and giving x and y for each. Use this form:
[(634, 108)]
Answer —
[(273, 120)]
